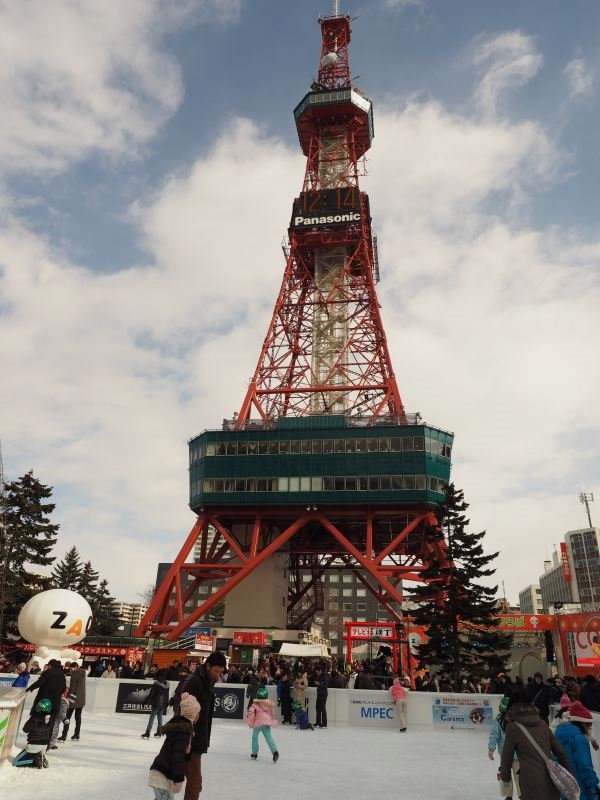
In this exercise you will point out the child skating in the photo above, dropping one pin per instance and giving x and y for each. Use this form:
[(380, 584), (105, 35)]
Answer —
[(301, 714), (260, 719), (496, 741), (167, 772)]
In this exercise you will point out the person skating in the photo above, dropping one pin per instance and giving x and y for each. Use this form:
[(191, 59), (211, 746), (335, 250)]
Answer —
[(301, 714), (320, 682), (496, 742), (285, 698), (574, 737), (38, 729), (201, 684), (167, 771), (158, 699), (260, 719), (76, 701), (534, 779), (184, 674), (398, 693), (50, 686)]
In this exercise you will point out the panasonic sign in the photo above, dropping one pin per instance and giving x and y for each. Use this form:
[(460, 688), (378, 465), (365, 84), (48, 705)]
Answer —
[(330, 219)]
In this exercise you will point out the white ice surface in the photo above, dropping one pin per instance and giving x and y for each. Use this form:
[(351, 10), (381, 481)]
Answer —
[(111, 762)]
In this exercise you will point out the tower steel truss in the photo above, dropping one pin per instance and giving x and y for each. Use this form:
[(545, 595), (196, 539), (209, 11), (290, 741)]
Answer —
[(324, 362)]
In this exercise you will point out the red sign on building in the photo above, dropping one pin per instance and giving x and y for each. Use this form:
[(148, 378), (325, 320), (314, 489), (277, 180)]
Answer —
[(565, 561), (251, 637)]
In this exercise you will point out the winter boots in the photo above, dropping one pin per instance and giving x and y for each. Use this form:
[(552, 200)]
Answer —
[(275, 756), (146, 735), (254, 756)]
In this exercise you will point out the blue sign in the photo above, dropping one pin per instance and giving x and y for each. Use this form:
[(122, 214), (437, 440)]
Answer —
[(201, 631), (462, 711)]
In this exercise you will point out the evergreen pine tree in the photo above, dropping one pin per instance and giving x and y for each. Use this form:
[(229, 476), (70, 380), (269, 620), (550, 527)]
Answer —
[(457, 610), (67, 573), (26, 540), (87, 585), (105, 620)]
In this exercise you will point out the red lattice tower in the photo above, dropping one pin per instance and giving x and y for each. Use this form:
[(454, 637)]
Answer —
[(329, 472), (326, 351)]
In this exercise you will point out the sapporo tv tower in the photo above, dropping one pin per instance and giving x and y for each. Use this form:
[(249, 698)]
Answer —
[(322, 468)]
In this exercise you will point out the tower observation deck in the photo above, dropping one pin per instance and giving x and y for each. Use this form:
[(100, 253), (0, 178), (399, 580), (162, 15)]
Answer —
[(322, 468)]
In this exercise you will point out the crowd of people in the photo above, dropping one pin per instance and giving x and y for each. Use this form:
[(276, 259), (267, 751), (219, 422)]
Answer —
[(538, 719), (545, 719)]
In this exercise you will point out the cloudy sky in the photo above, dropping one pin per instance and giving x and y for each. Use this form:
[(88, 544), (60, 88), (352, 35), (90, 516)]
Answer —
[(148, 162)]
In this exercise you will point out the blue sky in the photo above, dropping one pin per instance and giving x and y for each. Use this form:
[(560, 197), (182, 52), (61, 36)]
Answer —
[(148, 162)]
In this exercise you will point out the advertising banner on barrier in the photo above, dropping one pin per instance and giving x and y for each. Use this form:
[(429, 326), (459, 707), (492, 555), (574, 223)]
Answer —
[(229, 702), (131, 699), (462, 711), (371, 709)]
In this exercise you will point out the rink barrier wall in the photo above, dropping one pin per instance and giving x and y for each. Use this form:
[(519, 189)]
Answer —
[(11, 710), (358, 708)]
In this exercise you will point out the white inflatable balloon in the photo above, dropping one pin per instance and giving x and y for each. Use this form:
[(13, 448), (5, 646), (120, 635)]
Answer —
[(53, 621)]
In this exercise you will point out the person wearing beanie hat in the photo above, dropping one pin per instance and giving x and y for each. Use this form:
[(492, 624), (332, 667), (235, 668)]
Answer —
[(496, 741), (189, 707), (565, 701), (167, 771), (574, 737), (22, 679)]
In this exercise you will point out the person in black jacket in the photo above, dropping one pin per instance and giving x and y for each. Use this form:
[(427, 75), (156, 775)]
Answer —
[(175, 701), (158, 699), (168, 768), (320, 681), (541, 695), (50, 686), (285, 698), (200, 684), (589, 693)]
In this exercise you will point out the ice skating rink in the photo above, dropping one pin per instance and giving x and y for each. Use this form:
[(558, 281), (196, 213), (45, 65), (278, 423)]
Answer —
[(111, 762)]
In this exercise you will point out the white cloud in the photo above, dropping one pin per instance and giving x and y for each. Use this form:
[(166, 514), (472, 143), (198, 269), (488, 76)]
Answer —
[(508, 61), (491, 324), (79, 77), (580, 77), (402, 4)]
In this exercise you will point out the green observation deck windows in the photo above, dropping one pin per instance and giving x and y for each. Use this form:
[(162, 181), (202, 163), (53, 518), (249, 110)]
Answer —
[(320, 460)]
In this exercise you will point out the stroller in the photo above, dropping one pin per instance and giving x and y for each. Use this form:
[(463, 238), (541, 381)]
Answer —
[(38, 729)]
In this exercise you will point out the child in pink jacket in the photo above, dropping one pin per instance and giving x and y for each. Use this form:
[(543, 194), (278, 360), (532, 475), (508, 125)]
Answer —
[(260, 719), (398, 693)]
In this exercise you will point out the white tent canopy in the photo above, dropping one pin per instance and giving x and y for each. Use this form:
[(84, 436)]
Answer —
[(303, 650)]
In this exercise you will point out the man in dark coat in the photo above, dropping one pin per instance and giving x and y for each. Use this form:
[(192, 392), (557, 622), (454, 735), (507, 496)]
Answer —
[(589, 694), (50, 686), (76, 698), (320, 681), (541, 695), (200, 684)]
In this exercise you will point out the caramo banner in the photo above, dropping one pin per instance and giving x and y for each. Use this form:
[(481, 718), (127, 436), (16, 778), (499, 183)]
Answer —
[(462, 711)]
